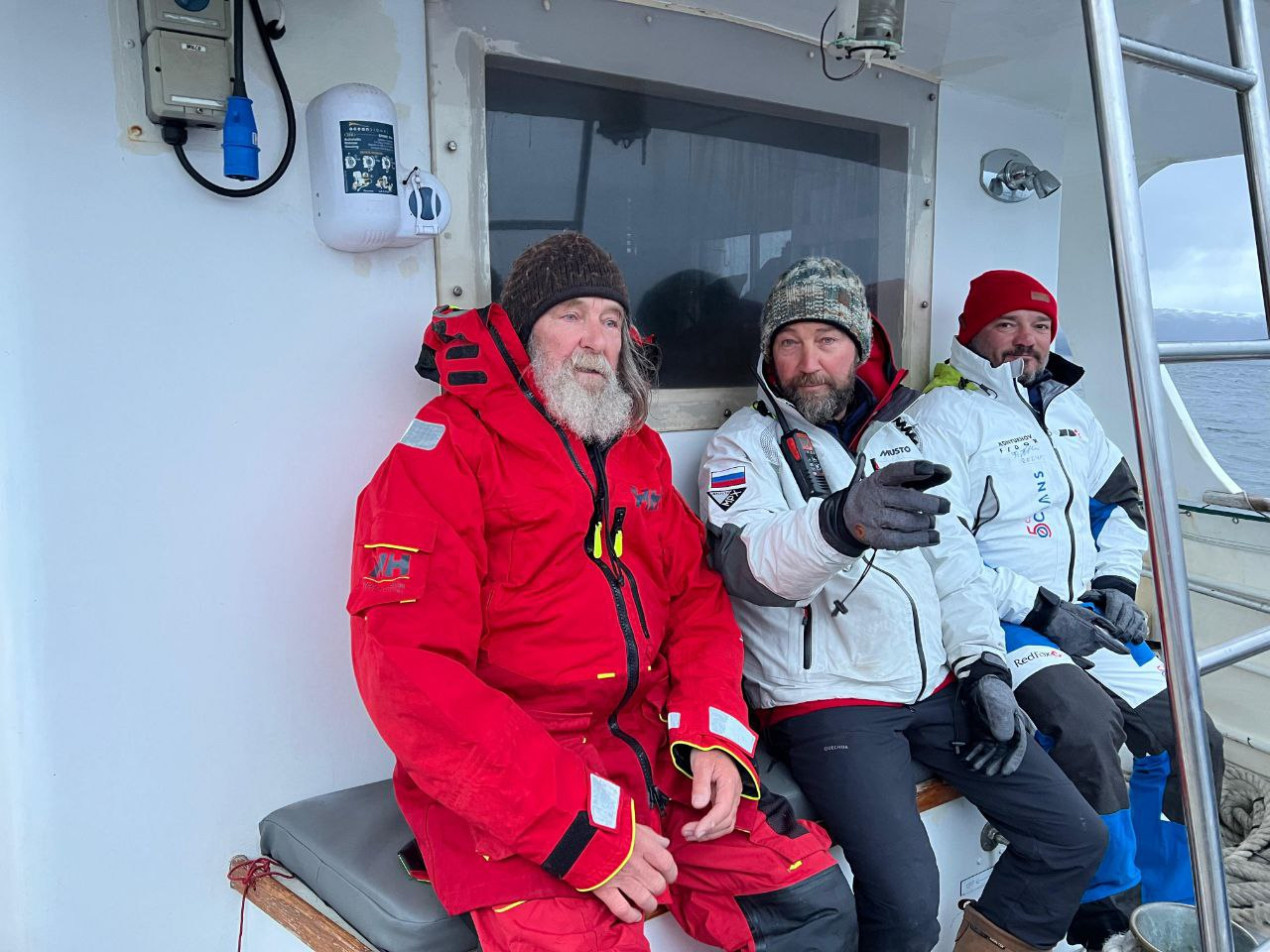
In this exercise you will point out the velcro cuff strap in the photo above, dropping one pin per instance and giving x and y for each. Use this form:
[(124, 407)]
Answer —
[(1117, 583)]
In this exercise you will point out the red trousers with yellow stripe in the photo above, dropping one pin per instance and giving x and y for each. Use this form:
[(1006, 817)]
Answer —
[(768, 886)]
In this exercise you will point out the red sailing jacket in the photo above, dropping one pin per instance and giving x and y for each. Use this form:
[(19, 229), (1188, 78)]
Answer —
[(536, 633)]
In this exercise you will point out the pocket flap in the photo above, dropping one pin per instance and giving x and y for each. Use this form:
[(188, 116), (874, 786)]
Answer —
[(390, 560)]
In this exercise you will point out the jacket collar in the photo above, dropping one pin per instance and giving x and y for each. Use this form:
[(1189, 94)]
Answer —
[(996, 381)]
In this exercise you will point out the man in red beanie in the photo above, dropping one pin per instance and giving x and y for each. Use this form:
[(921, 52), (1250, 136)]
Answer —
[(538, 638), (1050, 509)]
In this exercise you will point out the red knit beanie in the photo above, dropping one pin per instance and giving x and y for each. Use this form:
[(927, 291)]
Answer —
[(994, 293)]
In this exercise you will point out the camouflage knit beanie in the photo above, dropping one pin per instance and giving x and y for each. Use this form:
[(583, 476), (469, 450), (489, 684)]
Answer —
[(819, 289), (557, 269)]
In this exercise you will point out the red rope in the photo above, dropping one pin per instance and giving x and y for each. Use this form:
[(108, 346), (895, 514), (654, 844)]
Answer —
[(248, 873)]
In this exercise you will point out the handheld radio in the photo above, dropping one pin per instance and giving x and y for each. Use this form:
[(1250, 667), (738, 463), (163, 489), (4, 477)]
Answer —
[(798, 450)]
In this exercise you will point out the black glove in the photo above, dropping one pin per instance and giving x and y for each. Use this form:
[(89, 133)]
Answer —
[(1122, 611), (1078, 630), (998, 727), (887, 509)]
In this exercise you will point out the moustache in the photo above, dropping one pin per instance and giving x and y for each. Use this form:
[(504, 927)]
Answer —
[(1024, 352), (809, 380), (592, 362)]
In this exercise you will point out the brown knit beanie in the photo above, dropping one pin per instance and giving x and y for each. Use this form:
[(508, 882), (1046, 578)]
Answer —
[(565, 266)]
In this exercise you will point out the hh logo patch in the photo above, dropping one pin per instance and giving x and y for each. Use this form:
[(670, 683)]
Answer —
[(390, 567), (727, 486), (646, 498)]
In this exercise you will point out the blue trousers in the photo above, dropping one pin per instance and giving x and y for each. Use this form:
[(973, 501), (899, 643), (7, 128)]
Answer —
[(1083, 718)]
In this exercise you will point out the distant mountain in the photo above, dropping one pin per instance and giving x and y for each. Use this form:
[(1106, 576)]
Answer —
[(1176, 325)]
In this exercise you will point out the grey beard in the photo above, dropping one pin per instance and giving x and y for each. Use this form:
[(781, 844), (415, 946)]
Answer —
[(594, 417), (824, 407)]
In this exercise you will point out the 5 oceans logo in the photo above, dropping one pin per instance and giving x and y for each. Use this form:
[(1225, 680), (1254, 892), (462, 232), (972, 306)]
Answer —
[(1036, 524)]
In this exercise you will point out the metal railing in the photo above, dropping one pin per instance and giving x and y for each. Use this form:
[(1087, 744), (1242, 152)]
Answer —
[(1249, 501), (1107, 51), (1234, 651)]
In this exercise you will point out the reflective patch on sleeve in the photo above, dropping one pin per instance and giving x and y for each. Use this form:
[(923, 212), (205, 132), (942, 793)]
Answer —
[(728, 727), (606, 796), (423, 435), (673, 719)]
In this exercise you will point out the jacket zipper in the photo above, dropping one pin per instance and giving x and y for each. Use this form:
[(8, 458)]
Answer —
[(655, 799), (917, 629), (1071, 496), (599, 491), (807, 638)]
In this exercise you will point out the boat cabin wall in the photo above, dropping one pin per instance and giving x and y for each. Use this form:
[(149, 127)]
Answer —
[(192, 391)]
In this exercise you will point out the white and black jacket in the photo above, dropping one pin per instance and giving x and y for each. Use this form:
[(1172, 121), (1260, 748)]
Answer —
[(818, 624), (1048, 500)]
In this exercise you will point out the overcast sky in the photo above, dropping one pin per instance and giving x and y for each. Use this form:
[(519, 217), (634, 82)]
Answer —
[(1199, 237)]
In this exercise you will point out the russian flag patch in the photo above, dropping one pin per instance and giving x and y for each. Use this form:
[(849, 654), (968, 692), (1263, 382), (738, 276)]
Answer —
[(726, 486)]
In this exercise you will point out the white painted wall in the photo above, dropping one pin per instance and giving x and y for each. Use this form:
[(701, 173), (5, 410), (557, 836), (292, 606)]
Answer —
[(192, 391), (973, 232)]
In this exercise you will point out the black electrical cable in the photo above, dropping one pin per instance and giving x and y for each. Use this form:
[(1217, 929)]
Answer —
[(824, 63), (240, 84), (176, 135)]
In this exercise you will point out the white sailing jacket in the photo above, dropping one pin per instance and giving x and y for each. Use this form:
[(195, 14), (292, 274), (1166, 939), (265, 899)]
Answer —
[(820, 625), (1048, 502)]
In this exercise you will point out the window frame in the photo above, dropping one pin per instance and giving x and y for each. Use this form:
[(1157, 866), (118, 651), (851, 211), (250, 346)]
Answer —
[(461, 36)]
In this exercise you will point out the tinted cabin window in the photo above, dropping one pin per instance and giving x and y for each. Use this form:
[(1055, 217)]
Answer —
[(702, 206)]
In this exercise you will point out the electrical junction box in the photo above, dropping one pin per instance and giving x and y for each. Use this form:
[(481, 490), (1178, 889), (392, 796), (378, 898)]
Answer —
[(187, 78), (211, 18)]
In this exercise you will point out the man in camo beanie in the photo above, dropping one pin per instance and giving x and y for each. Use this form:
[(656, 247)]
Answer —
[(819, 289)]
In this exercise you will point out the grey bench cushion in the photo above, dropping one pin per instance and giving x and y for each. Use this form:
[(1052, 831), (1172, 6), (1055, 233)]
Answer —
[(343, 846)]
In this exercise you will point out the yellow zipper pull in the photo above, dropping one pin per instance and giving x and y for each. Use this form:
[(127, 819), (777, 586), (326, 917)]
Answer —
[(597, 545), (617, 544)]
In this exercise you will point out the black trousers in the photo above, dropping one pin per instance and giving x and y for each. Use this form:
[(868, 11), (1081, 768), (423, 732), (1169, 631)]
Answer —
[(854, 764)]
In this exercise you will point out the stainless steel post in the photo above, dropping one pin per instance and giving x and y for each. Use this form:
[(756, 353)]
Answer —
[(1133, 289), (1254, 120)]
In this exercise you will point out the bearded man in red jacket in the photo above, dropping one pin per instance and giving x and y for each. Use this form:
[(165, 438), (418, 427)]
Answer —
[(538, 638)]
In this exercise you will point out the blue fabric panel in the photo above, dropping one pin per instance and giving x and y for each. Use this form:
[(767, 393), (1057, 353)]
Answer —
[(1016, 636), (1142, 654), (1099, 513), (1164, 854), (1118, 870)]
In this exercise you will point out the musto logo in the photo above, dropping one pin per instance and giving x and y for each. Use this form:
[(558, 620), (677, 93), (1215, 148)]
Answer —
[(1036, 524)]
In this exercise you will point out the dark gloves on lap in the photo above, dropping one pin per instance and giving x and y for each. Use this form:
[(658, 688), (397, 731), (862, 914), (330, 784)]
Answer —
[(1076, 629), (998, 727), (1121, 611)]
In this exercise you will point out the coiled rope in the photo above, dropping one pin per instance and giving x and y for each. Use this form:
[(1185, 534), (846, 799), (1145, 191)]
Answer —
[(1245, 829)]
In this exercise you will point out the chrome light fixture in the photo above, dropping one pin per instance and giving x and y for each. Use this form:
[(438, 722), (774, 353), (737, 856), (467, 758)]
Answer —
[(871, 27), (1010, 176)]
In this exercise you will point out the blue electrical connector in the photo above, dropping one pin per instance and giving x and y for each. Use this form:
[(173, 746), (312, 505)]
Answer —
[(242, 153)]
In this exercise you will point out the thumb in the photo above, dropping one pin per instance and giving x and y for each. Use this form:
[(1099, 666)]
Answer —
[(702, 777)]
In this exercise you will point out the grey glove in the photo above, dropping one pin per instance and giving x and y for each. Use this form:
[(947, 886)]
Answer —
[(1078, 630), (1122, 611), (888, 509), (998, 727)]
